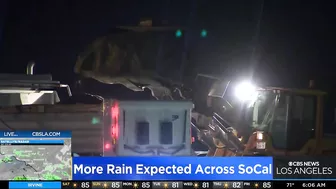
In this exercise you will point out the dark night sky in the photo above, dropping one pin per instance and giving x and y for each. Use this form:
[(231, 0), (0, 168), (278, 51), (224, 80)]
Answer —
[(296, 37)]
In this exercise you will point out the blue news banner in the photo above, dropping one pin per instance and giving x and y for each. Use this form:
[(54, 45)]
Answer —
[(172, 168)]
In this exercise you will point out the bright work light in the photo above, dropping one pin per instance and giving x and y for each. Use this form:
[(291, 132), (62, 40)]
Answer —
[(245, 91)]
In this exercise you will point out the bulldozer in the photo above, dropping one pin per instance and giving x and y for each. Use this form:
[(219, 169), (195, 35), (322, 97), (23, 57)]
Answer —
[(268, 121), (271, 121)]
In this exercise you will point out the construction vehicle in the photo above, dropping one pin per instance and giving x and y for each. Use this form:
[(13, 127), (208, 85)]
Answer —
[(278, 121), (109, 128), (270, 121)]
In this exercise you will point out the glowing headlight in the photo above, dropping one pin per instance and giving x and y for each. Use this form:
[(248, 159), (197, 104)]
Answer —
[(260, 135), (246, 91)]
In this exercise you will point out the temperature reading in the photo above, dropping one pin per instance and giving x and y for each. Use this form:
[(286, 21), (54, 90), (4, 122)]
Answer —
[(115, 185), (175, 185), (237, 185), (267, 185), (290, 184), (205, 185), (145, 185), (85, 185)]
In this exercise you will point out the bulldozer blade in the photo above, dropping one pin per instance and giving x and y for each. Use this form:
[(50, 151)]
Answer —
[(226, 136), (205, 137)]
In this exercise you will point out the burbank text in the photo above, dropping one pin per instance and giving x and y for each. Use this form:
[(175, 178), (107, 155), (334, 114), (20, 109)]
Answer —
[(141, 169)]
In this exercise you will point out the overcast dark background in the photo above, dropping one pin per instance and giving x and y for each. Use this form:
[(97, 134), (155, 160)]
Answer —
[(296, 38)]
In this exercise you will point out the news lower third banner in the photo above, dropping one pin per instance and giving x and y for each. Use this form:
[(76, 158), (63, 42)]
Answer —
[(304, 168), (172, 168)]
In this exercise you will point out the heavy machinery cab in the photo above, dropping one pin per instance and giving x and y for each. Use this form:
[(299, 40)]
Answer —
[(290, 117)]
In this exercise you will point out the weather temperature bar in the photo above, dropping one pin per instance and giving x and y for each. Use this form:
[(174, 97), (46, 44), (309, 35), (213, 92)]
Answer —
[(195, 184), (167, 184)]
